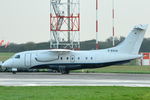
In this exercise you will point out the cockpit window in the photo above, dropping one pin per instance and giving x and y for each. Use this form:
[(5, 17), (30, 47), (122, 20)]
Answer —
[(17, 57)]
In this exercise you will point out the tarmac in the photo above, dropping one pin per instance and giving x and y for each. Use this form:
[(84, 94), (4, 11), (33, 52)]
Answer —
[(74, 79)]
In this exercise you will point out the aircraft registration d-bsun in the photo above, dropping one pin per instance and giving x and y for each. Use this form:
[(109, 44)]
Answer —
[(64, 60)]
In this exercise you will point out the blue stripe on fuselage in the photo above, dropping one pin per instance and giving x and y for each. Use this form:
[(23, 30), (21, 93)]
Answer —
[(74, 66)]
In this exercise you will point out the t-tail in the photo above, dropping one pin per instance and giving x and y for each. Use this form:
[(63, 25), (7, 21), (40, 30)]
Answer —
[(132, 44)]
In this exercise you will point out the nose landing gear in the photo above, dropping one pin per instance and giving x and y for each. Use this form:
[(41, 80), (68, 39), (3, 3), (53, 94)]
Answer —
[(14, 70)]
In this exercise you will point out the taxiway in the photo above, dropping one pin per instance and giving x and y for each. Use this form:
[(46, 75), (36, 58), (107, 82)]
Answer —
[(75, 79)]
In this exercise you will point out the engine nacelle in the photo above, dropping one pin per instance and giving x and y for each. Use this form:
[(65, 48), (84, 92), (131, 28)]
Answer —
[(46, 57)]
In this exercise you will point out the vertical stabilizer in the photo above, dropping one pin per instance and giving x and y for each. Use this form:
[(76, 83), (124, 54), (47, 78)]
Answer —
[(133, 41)]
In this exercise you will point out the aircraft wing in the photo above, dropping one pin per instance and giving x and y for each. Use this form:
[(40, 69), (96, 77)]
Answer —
[(60, 51), (50, 55)]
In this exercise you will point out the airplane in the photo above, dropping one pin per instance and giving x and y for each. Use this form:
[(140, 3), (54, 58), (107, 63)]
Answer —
[(64, 60)]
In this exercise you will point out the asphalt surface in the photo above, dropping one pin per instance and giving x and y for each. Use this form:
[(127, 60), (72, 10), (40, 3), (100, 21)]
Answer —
[(75, 79)]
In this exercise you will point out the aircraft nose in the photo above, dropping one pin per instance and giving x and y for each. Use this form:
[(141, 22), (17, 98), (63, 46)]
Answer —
[(7, 63), (4, 65), (1, 63)]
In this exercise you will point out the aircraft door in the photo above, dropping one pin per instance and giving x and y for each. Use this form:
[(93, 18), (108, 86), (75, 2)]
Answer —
[(28, 60)]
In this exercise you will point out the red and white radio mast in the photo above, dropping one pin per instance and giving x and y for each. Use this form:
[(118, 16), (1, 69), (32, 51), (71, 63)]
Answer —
[(65, 24), (113, 22), (97, 45)]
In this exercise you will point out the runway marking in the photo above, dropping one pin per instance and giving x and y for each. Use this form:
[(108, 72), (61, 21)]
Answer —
[(73, 82)]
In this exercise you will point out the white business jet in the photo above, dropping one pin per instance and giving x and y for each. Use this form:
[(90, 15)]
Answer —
[(64, 60)]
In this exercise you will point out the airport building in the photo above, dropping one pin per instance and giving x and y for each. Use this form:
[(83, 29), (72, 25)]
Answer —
[(145, 60)]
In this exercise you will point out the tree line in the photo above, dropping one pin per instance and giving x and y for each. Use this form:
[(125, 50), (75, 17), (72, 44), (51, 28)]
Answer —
[(85, 45)]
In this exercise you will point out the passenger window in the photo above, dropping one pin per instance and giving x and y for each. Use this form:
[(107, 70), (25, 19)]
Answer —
[(72, 58), (17, 56), (86, 58), (78, 58), (61, 58)]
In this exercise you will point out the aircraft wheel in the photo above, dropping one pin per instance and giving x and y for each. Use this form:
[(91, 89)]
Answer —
[(14, 72), (65, 72)]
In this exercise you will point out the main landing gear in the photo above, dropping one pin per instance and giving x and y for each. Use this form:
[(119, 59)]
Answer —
[(63, 70)]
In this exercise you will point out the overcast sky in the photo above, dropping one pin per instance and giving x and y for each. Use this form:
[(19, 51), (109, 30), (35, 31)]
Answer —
[(28, 20)]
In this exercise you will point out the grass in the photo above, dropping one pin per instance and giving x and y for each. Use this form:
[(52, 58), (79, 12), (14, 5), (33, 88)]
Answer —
[(119, 69), (5, 56), (74, 93)]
